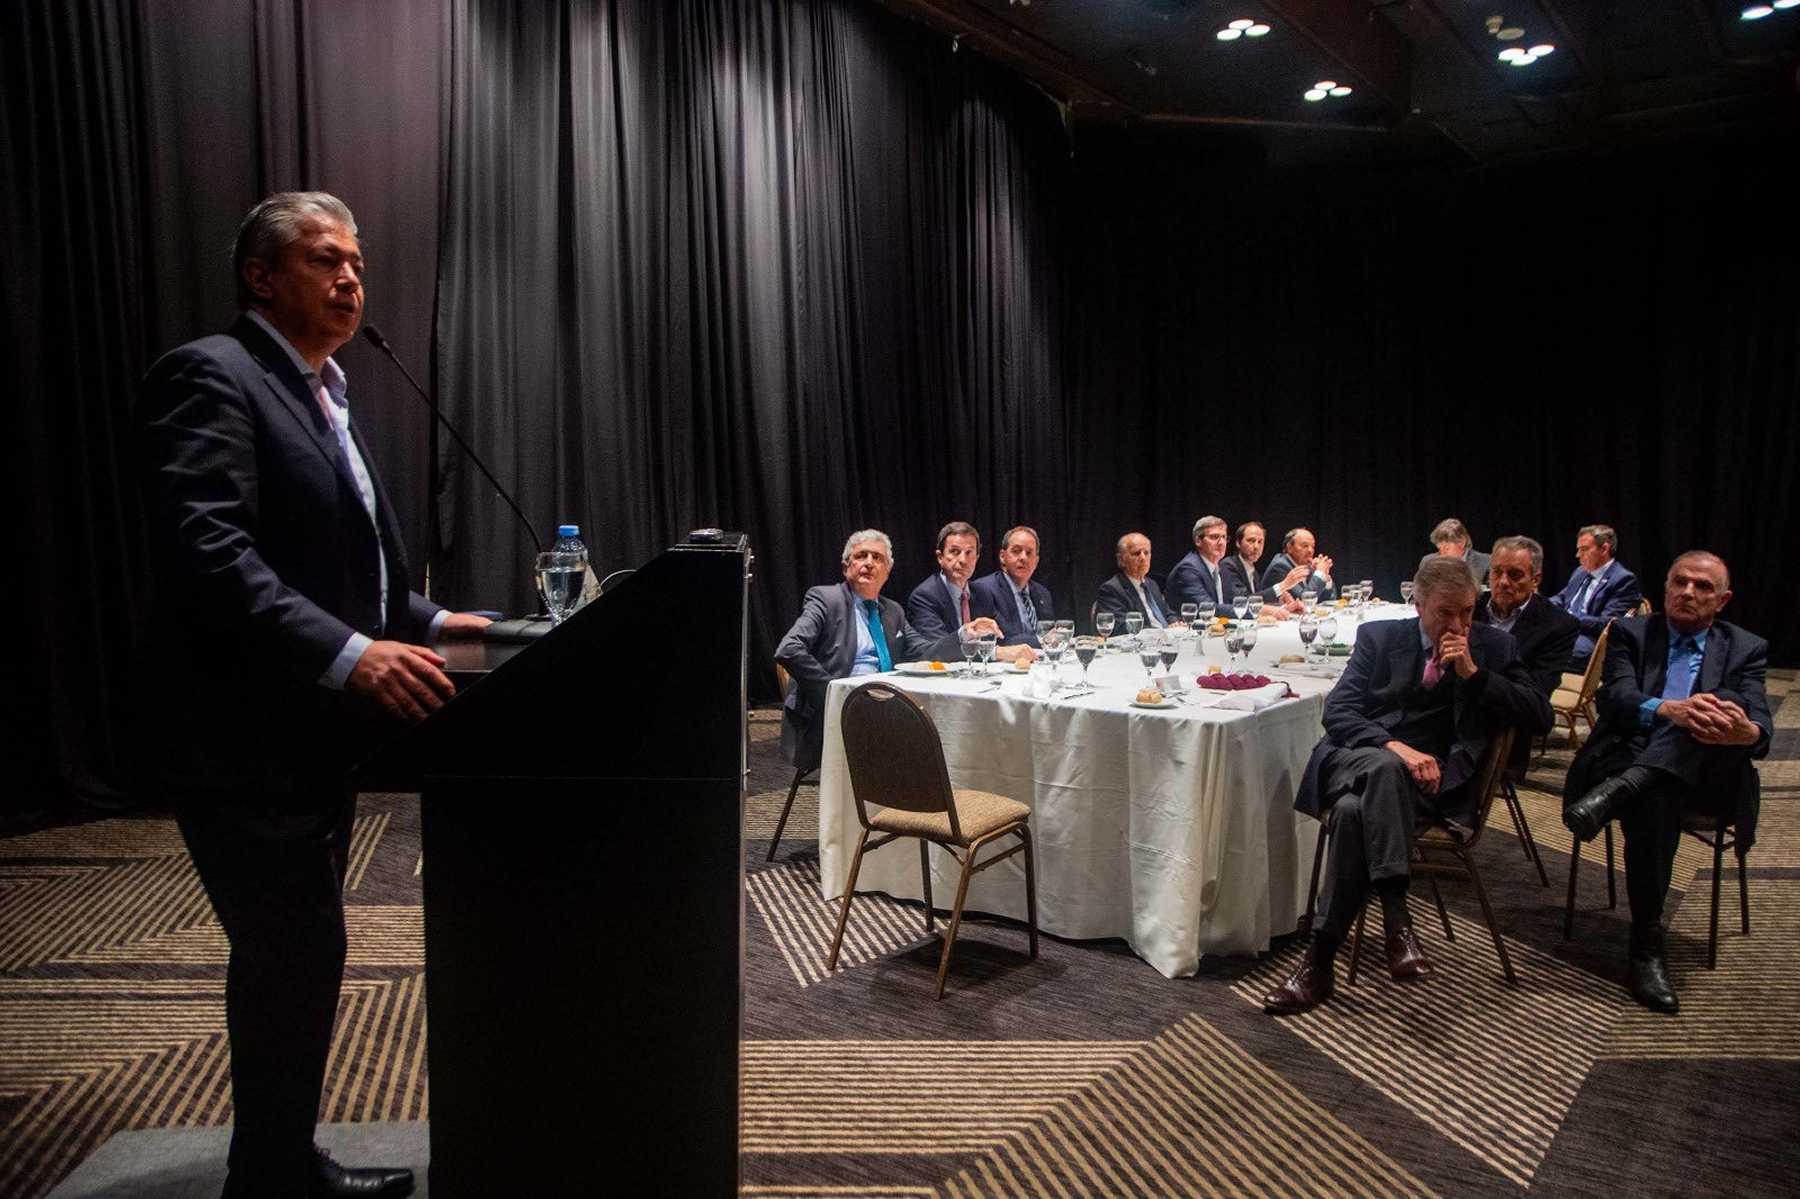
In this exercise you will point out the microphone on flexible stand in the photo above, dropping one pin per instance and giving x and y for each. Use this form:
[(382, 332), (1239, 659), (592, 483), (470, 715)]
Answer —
[(381, 343)]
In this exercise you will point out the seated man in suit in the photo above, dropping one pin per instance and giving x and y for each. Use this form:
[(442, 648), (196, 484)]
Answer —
[(1239, 572), (1600, 590), (1452, 539), (1298, 567), (1009, 595), (847, 629), (1541, 633), (1132, 589), (1406, 729), (1683, 711), (940, 605), (1196, 579)]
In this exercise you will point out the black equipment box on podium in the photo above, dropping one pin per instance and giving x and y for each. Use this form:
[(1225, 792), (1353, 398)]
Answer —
[(582, 816)]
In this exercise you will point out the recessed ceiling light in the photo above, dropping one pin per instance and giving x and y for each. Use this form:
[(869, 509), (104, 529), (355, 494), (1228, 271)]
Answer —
[(1315, 95), (1540, 51), (1786, 3), (1340, 91), (1755, 12), (1260, 30), (1230, 35), (1325, 85), (1512, 52), (1511, 33), (1241, 24)]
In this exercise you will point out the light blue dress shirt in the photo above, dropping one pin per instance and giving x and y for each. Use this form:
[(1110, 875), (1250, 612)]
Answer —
[(1696, 654), (867, 661)]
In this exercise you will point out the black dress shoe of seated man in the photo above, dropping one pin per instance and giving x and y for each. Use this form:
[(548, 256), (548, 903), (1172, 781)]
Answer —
[(1648, 974), (1305, 989), (1405, 956), (1589, 814), (332, 1181)]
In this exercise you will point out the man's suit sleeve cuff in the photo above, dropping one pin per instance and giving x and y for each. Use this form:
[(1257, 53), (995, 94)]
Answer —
[(338, 673), (1647, 712)]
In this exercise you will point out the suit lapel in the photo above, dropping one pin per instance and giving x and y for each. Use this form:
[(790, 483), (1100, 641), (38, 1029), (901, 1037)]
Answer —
[(289, 389), (1712, 665)]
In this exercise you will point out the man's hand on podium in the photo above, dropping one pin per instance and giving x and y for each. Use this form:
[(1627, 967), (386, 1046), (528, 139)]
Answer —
[(463, 624), (404, 679)]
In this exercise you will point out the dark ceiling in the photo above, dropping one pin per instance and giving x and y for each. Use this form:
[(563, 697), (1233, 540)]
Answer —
[(1425, 76)]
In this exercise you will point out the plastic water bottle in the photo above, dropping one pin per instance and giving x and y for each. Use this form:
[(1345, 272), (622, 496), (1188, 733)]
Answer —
[(573, 584)]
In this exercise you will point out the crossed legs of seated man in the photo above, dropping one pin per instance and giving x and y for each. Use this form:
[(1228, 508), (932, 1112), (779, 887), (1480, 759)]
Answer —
[(1645, 783), (1377, 806)]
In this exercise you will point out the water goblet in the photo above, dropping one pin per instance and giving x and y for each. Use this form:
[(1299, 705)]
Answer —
[(1366, 589), (1309, 632), (971, 650), (1240, 605), (1406, 592), (1085, 649), (986, 643), (1328, 631), (1103, 624), (1171, 648), (1188, 612), (1309, 598), (1206, 611), (1134, 621), (1248, 640), (1234, 644), (1150, 652)]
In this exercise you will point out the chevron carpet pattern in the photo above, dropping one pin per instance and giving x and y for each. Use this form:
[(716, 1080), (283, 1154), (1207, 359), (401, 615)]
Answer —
[(1083, 1073)]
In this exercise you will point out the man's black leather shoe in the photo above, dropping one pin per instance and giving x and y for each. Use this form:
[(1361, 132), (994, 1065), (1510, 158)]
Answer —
[(1405, 956), (1589, 814), (332, 1181), (1648, 975), (1305, 989)]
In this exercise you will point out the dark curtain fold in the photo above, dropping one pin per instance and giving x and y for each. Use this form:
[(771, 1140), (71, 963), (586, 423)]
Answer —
[(782, 267)]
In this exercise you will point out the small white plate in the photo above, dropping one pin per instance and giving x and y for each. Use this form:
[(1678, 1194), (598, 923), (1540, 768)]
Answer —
[(1167, 703), (924, 668)]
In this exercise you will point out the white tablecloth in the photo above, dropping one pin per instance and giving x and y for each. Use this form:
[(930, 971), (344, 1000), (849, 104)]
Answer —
[(1174, 830)]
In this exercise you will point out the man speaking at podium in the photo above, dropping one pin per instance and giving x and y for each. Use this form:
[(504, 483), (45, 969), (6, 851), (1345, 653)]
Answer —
[(284, 644)]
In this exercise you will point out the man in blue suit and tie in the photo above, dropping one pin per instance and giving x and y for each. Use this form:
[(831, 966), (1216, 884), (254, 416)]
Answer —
[(1132, 589), (1600, 590), (940, 605), (1683, 711), (1018, 604), (1197, 578)]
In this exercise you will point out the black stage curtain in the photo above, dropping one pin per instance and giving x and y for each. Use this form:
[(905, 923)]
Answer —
[(1614, 340), (780, 267), (135, 136)]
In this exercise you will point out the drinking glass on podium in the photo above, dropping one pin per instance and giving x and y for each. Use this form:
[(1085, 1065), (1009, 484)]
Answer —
[(560, 575)]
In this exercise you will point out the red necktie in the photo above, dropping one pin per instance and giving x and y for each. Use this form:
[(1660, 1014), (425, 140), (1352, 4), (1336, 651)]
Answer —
[(965, 605), (1434, 670)]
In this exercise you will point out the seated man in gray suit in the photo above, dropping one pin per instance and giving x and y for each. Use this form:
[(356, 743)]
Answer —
[(1297, 568), (1406, 729), (1683, 711), (847, 629), (1600, 591), (1452, 539), (1132, 589)]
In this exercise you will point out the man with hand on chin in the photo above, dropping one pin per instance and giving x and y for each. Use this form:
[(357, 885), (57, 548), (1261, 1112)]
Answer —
[(284, 644), (1683, 711), (1406, 729), (1542, 632)]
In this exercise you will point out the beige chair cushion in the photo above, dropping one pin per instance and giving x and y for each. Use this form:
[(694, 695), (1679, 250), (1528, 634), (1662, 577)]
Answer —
[(1571, 682), (1565, 700), (978, 812)]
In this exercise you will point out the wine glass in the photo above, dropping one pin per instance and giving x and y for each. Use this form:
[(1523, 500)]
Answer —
[(1085, 649), (1406, 592), (1207, 610), (1240, 604), (1150, 652), (986, 644), (1055, 641), (1103, 624), (1188, 612), (1309, 632), (1309, 598), (1067, 628), (560, 576), (1234, 644), (971, 650), (1248, 639), (1328, 631), (1171, 650), (1366, 590)]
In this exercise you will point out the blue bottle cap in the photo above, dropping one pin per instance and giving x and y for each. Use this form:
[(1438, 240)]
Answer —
[(568, 530)]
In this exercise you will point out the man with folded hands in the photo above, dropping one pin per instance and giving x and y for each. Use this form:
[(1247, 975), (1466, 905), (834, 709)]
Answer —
[(849, 628), (1406, 729), (1683, 711)]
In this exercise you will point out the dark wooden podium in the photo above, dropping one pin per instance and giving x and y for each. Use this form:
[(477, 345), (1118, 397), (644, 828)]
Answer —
[(582, 815)]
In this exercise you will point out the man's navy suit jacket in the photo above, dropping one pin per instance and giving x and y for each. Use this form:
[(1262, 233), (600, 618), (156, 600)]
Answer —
[(266, 561), (1616, 593), (1191, 583), (1387, 667), (931, 609), (992, 595)]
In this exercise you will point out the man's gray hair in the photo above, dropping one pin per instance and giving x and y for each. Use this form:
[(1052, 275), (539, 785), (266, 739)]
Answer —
[(1701, 556), (277, 222), (1450, 530), (1602, 535), (1442, 571), (1287, 538), (1119, 545), (862, 535), (1521, 542), (1205, 523)]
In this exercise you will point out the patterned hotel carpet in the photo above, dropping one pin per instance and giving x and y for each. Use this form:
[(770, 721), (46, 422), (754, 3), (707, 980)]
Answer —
[(1084, 1073)]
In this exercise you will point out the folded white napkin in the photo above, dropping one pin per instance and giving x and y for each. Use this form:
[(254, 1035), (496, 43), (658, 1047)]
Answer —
[(1252, 701)]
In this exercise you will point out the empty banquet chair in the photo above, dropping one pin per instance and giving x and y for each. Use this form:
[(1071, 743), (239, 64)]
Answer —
[(782, 681), (901, 788), (1575, 697)]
